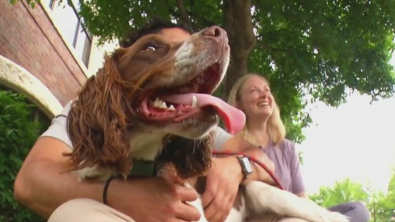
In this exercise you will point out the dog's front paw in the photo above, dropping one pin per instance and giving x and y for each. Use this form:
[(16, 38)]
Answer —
[(336, 217)]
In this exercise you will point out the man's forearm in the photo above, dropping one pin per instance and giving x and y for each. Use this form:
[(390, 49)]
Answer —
[(44, 185), (264, 177), (236, 144)]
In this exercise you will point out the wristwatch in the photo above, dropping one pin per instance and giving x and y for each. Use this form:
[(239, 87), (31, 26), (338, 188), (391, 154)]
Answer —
[(245, 166)]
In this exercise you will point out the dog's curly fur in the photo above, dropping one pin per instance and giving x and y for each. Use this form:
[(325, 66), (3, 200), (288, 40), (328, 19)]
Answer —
[(103, 119), (108, 127), (99, 121), (190, 158)]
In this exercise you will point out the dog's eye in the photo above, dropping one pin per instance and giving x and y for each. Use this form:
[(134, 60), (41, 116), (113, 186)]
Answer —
[(150, 48)]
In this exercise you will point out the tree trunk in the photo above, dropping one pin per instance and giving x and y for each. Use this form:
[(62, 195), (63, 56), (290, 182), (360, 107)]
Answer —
[(238, 24)]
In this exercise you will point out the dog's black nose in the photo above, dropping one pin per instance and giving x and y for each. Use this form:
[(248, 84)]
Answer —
[(216, 33)]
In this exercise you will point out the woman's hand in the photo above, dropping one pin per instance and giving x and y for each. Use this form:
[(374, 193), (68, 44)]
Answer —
[(152, 200)]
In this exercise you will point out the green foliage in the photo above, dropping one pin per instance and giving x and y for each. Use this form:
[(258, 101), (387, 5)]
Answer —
[(32, 3), (19, 132), (385, 204), (324, 49), (301, 158), (380, 205), (344, 191), (346, 45)]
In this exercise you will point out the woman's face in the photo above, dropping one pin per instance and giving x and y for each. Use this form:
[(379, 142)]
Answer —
[(256, 98)]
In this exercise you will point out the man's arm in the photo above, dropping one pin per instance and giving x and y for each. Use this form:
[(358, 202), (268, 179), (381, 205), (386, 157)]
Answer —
[(43, 179), (225, 175), (43, 184), (226, 142)]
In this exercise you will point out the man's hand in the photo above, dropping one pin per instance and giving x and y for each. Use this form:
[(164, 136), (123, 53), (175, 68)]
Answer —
[(139, 197), (42, 185), (223, 181), (222, 186)]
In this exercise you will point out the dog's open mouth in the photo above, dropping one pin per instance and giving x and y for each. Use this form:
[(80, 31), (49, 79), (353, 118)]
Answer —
[(178, 103)]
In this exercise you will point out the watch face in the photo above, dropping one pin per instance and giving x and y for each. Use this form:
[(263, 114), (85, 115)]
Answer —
[(247, 165)]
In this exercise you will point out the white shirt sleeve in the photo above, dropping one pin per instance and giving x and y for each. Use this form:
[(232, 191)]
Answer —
[(58, 129), (221, 136)]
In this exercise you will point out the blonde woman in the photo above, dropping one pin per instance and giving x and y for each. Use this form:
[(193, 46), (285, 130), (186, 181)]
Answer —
[(264, 128)]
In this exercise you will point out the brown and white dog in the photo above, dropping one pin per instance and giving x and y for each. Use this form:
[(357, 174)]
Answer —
[(151, 101)]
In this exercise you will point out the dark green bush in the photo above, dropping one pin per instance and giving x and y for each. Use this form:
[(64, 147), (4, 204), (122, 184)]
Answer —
[(20, 125)]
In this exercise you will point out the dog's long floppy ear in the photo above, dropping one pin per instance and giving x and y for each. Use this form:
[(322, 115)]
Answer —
[(97, 122), (190, 158)]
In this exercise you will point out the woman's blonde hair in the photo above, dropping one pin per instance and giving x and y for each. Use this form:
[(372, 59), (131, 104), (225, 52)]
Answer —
[(275, 125)]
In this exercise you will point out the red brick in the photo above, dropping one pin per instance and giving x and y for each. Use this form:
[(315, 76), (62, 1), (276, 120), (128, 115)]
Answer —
[(29, 39)]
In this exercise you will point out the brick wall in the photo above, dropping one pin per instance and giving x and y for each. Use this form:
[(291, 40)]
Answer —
[(28, 38)]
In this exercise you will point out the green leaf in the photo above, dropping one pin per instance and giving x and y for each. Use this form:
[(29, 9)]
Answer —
[(20, 133), (322, 56)]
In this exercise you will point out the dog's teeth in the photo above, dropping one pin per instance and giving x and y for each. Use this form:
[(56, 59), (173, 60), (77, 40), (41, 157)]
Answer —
[(194, 101), (163, 105), (171, 107), (157, 103)]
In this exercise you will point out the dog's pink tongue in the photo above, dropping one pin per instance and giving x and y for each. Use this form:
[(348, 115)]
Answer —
[(234, 118)]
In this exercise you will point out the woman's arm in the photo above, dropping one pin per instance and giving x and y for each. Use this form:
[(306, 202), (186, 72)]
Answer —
[(298, 186)]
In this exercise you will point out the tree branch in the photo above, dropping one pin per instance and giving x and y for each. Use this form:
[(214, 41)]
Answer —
[(263, 45), (184, 13)]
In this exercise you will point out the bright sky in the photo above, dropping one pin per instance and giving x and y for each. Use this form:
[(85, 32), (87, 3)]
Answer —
[(356, 140)]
